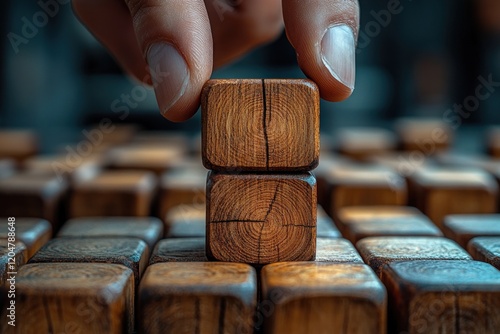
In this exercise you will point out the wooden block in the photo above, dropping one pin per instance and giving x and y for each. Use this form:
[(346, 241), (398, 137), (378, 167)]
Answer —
[(114, 193), (18, 145), (328, 162), (356, 223), (72, 298), (440, 192), (336, 250), (261, 218), (434, 296), (32, 232), (462, 228), (260, 125), (24, 195), (62, 167), (130, 252), (379, 251), (182, 186), (362, 143), (148, 229), (179, 250), (486, 249), (325, 226), (365, 185), (186, 221), (493, 141), (323, 298), (7, 168), (12, 256), (428, 136), (197, 297)]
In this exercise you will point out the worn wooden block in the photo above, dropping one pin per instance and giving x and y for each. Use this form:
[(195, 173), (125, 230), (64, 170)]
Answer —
[(325, 225), (114, 193), (130, 252), (148, 229), (462, 228), (486, 249), (379, 251), (362, 143), (197, 297), (18, 145), (24, 195), (12, 256), (434, 296), (365, 185), (72, 298), (179, 250), (32, 232), (323, 298), (260, 125), (186, 221), (358, 222), (440, 192), (493, 141), (428, 136), (261, 218), (336, 250)]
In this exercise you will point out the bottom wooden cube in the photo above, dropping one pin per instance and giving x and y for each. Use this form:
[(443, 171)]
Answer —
[(197, 297), (325, 298)]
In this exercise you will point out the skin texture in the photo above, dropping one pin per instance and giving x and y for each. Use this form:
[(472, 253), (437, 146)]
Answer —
[(211, 33)]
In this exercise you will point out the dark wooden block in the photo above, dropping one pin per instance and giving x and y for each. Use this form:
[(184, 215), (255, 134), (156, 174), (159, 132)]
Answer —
[(323, 298), (32, 232), (261, 218), (179, 250), (12, 256), (197, 297), (71, 298), (486, 249), (463, 228), (336, 250), (186, 221), (260, 125), (435, 296)]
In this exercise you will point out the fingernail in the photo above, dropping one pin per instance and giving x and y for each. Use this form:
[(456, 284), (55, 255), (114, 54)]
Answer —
[(169, 73), (338, 54)]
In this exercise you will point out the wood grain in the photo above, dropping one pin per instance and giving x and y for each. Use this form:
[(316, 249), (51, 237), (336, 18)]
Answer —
[(179, 250), (462, 228), (114, 193), (358, 222), (442, 191), (336, 250), (72, 297), (8, 268), (486, 249), (260, 125), (429, 136), (197, 297), (362, 143), (379, 251), (32, 232), (186, 221), (261, 218), (148, 229), (435, 296), (323, 298)]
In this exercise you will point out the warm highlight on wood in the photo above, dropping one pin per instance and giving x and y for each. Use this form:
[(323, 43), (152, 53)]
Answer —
[(323, 298), (260, 125), (197, 297), (261, 218), (32, 232), (486, 249), (462, 228), (179, 250)]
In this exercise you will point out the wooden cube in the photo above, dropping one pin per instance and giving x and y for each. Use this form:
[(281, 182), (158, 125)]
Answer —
[(486, 249), (323, 298), (358, 222), (462, 228), (336, 250), (197, 297), (440, 192), (12, 256), (261, 218), (71, 298), (260, 125), (362, 143), (148, 229), (435, 296), (32, 232), (378, 251), (186, 221), (114, 193), (429, 136), (179, 250)]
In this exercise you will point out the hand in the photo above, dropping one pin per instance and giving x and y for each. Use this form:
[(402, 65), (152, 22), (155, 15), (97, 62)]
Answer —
[(175, 44)]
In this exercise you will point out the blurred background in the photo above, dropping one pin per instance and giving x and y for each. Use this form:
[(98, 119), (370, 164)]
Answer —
[(432, 55)]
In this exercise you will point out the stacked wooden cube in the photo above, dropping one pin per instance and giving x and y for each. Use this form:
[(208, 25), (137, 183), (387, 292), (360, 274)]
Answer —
[(260, 139)]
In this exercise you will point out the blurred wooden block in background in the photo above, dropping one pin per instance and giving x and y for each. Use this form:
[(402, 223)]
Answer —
[(336, 250), (186, 221), (378, 251), (148, 229), (362, 143), (358, 222), (486, 249), (429, 136), (442, 191), (40, 196), (323, 298), (114, 193), (462, 228), (62, 167), (493, 141), (32, 232), (261, 218), (197, 297), (325, 227), (12, 256), (18, 145), (62, 297), (434, 296), (179, 250), (260, 125)]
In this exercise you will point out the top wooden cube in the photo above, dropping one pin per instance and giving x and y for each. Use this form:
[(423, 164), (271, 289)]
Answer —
[(260, 125)]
